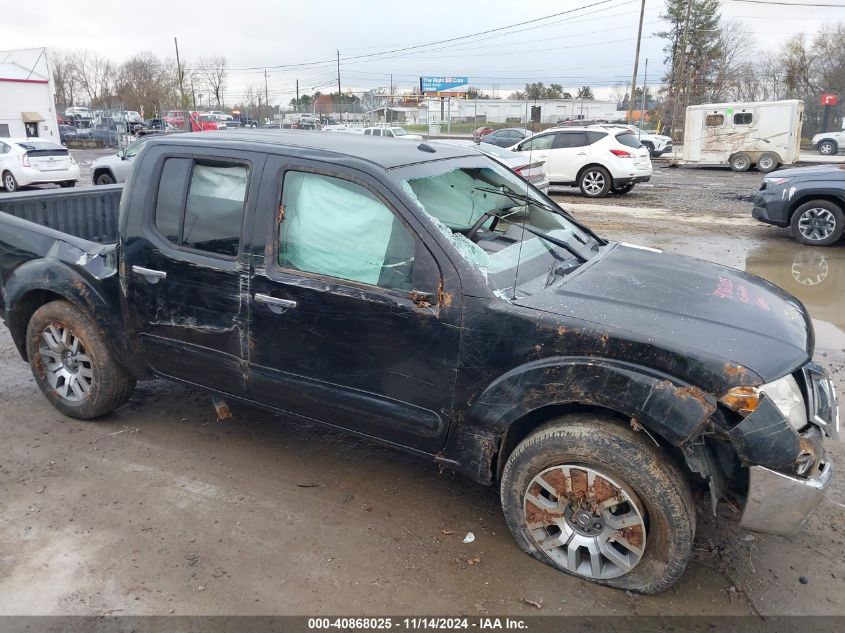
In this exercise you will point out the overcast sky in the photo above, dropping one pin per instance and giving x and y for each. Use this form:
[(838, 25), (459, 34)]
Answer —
[(589, 46)]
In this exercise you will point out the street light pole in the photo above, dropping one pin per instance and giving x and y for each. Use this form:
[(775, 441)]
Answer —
[(636, 66)]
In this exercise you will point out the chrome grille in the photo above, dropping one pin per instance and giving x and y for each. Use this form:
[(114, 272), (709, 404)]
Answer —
[(822, 404)]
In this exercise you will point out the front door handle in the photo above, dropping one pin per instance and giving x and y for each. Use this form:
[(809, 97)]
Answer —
[(152, 276), (275, 304)]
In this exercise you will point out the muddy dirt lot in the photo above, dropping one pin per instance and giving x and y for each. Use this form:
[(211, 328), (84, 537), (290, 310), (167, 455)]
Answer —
[(159, 508)]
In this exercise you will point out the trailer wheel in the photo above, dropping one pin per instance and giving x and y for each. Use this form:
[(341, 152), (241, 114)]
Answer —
[(740, 162), (768, 162)]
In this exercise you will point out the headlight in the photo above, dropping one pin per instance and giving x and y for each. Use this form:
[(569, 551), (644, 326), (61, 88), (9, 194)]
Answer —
[(783, 392), (775, 181)]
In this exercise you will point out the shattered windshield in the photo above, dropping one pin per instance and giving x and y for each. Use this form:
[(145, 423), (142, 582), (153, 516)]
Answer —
[(517, 239)]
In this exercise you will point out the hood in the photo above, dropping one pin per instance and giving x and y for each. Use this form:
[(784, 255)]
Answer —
[(691, 308), (827, 171), (106, 161)]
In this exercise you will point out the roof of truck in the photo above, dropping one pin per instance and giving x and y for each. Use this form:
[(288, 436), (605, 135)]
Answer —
[(386, 152)]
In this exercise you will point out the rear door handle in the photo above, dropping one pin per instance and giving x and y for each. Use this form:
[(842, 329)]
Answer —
[(152, 276), (275, 304)]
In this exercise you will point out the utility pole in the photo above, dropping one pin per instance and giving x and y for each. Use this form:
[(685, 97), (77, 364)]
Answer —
[(636, 66), (680, 69), (645, 84), (266, 94), (296, 105), (339, 102), (389, 101), (181, 84)]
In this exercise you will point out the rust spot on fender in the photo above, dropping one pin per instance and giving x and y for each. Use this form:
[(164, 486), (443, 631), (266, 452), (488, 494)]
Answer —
[(735, 373)]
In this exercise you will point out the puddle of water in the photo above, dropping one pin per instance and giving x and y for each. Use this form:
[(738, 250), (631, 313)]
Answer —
[(816, 276)]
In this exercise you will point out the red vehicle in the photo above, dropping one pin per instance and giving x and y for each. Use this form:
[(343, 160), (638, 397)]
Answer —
[(176, 118), (480, 132), (205, 122)]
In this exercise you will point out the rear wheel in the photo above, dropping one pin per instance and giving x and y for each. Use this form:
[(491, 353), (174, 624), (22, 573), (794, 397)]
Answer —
[(619, 191), (740, 162), (104, 178), (73, 364), (827, 148), (650, 147), (9, 182), (67, 184), (768, 162), (595, 182), (818, 223), (595, 499)]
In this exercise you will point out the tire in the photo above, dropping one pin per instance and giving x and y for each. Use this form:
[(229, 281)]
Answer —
[(768, 162), (650, 147), (818, 223), (595, 182), (9, 182), (67, 184), (740, 162), (81, 379), (827, 148), (104, 178), (656, 500), (621, 191)]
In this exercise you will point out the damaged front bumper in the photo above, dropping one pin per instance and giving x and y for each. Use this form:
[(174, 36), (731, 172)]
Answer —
[(789, 471), (781, 504)]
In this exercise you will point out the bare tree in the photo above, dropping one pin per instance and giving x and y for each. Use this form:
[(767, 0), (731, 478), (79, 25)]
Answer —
[(64, 65), (731, 64), (213, 73), (97, 78), (145, 83)]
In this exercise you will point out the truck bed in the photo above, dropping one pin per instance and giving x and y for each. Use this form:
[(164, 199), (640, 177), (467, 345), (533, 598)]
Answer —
[(88, 213)]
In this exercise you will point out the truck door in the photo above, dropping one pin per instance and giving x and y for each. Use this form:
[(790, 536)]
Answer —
[(349, 321), (184, 270)]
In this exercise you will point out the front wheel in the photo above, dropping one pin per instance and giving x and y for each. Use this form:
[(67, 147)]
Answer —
[(9, 182), (595, 182), (827, 148), (595, 499), (818, 223), (620, 191), (73, 364), (104, 178)]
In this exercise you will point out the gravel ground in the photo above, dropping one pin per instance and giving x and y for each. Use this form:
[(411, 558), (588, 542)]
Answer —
[(159, 508)]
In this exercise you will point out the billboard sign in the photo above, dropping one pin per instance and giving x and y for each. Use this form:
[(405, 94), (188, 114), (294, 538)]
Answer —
[(444, 84)]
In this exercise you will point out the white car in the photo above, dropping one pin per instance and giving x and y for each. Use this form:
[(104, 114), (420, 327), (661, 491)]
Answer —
[(533, 172), (657, 144), (108, 170), (221, 116), (33, 161), (828, 143), (392, 132), (599, 160)]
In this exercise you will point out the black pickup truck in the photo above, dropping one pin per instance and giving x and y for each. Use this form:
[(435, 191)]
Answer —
[(425, 296)]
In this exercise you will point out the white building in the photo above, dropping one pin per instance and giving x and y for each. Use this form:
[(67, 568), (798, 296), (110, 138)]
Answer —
[(518, 112), (27, 105)]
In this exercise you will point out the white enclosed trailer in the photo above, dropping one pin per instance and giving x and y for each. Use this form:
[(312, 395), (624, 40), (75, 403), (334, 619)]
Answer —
[(762, 133)]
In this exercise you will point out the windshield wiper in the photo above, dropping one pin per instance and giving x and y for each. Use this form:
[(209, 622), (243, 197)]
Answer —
[(518, 196), (564, 245)]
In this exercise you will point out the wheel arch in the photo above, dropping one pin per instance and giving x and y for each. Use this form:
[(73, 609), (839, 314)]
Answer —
[(38, 282), (810, 196), (673, 412), (829, 140), (589, 166), (101, 170)]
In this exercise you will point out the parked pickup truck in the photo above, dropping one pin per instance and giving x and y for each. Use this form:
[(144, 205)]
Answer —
[(809, 200), (429, 298)]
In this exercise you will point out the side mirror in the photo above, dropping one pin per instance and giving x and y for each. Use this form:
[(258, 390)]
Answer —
[(121, 155)]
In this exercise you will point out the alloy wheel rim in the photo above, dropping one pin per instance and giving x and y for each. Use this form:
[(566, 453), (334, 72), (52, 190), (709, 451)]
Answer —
[(594, 182), (816, 224), (826, 148), (585, 521), (66, 365), (10, 183)]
